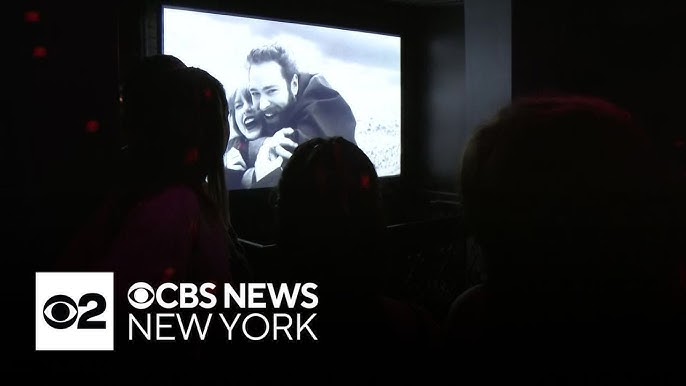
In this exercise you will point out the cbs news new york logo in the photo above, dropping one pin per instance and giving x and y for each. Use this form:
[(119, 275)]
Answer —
[(74, 311)]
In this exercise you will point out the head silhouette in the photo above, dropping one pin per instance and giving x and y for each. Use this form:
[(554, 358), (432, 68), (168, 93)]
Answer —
[(558, 190), (179, 133), (139, 86), (329, 211)]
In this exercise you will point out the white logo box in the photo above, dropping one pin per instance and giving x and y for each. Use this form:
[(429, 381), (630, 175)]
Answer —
[(70, 334)]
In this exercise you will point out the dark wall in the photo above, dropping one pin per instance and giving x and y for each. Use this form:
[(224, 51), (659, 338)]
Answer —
[(443, 119), (68, 122), (468, 79), (63, 122), (488, 58), (628, 52)]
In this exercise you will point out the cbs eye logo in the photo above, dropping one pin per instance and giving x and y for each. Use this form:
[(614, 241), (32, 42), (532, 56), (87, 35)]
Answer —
[(73, 311), (141, 295), (60, 311)]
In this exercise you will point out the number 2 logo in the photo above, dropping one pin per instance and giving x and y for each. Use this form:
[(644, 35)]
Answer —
[(60, 311)]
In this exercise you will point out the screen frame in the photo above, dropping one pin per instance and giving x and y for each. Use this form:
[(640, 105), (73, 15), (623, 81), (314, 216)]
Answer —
[(396, 19), (350, 87)]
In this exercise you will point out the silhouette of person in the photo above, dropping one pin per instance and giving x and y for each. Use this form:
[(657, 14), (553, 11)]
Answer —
[(135, 90), (560, 193), (331, 232), (168, 221)]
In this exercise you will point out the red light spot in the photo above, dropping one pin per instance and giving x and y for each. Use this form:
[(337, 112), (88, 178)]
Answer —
[(40, 52), (192, 156), (679, 143), (207, 93), (32, 17), (168, 274), (365, 181), (92, 126)]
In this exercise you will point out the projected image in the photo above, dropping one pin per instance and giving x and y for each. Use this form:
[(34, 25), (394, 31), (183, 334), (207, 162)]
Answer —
[(287, 83)]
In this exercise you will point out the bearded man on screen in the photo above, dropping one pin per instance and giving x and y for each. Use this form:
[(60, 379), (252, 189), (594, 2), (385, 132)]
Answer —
[(297, 106)]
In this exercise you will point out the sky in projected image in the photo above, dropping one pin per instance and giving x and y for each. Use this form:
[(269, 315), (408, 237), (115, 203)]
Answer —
[(363, 67)]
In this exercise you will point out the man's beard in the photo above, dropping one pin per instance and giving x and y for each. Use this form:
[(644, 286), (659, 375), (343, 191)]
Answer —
[(284, 117)]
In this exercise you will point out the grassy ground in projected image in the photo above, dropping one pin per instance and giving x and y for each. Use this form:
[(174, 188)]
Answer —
[(380, 140)]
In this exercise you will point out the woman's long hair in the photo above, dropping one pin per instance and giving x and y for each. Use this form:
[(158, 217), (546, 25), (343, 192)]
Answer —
[(179, 134), (176, 123)]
